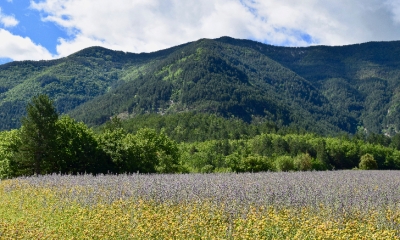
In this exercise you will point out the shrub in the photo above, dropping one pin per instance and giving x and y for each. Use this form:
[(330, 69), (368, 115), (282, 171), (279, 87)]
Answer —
[(207, 169), (302, 162), (284, 163), (367, 162), (255, 163), (318, 165)]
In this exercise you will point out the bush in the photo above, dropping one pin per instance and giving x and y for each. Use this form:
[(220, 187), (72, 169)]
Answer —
[(284, 163), (367, 162), (255, 163), (303, 162), (207, 169), (318, 165)]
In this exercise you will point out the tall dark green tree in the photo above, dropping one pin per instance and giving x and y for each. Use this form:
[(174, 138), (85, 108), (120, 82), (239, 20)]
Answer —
[(37, 153), (321, 153)]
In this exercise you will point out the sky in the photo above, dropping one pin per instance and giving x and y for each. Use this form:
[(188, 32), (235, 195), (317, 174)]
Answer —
[(49, 29)]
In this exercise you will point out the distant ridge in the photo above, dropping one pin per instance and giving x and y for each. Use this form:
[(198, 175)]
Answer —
[(326, 89)]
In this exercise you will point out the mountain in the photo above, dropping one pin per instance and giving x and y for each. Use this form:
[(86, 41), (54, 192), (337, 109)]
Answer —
[(320, 88)]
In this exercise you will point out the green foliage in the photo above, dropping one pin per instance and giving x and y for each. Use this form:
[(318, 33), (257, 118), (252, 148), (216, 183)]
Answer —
[(113, 124), (284, 163), (326, 90), (322, 158), (206, 81), (303, 153), (318, 165), (112, 145), (255, 163), (77, 148), (303, 162), (145, 152), (367, 162), (192, 127), (155, 152), (48, 144), (37, 151), (70, 81), (9, 142), (235, 137)]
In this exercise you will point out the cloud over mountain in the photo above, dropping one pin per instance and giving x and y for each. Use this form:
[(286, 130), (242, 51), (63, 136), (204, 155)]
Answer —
[(143, 26), (21, 48), (62, 27)]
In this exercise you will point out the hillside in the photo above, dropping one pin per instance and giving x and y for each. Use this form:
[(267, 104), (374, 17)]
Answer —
[(70, 81), (321, 89)]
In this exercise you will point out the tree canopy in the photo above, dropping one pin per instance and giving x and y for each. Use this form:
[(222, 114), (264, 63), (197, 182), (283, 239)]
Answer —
[(38, 149), (49, 143)]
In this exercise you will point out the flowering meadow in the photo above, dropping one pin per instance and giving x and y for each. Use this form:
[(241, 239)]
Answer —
[(270, 205)]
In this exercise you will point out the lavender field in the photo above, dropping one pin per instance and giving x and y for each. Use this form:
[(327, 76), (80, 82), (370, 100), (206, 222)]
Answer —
[(267, 205)]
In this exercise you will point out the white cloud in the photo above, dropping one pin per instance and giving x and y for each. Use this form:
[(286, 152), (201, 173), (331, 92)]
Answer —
[(332, 22), (394, 5), (19, 48), (7, 21), (16, 47), (143, 26)]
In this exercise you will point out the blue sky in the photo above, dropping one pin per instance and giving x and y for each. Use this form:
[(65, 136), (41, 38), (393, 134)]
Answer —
[(30, 24), (48, 29)]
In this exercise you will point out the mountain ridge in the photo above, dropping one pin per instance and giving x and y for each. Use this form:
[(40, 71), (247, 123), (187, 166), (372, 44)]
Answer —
[(321, 88)]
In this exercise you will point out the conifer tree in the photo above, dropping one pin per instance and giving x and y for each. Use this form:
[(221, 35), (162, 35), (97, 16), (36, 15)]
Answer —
[(37, 153)]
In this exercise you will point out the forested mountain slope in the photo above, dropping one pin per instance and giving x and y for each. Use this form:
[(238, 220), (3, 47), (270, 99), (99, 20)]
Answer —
[(321, 89), (361, 80), (70, 81)]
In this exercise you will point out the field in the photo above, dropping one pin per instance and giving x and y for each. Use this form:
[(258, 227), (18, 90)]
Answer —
[(294, 205)]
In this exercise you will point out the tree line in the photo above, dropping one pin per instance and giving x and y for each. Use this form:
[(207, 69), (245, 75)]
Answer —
[(290, 152), (49, 143)]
